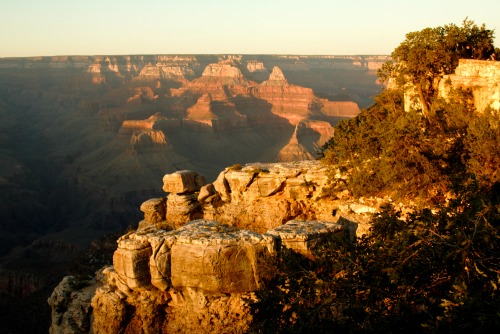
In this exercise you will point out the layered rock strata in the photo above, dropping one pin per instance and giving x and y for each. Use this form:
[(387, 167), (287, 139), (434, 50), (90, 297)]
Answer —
[(182, 204), (202, 276), (481, 76)]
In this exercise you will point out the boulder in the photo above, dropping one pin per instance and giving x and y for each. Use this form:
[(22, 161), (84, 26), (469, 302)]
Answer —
[(131, 262), (217, 258), (302, 236), (205, 192), (154, 210), (184, 181)]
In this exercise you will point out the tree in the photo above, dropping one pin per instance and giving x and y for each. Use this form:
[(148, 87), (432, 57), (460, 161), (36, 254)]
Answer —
[(425, 56), (433, 267)]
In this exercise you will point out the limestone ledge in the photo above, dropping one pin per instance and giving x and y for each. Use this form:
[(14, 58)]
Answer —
[(212, 250), (256, 196), (197, 232), (305, 230)]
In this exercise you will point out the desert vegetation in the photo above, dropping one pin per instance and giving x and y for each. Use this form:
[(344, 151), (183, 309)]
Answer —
[(434, 266)]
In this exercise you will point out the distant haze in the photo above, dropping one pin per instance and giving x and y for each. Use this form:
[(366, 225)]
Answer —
[(91, 27)]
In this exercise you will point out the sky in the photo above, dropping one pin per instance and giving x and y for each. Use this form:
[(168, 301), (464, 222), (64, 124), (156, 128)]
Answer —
[(304, 27)]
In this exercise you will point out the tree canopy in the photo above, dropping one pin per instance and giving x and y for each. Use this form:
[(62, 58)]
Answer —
[(422, 155), (426, 55)]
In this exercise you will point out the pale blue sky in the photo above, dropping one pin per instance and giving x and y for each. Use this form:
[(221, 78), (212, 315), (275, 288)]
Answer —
[(334, 27)]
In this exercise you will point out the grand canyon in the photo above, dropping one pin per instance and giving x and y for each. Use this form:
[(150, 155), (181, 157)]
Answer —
[(85, 139)]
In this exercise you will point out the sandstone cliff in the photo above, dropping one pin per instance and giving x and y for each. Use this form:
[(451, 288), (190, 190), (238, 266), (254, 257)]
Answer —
[(481, 76), (478, 76)]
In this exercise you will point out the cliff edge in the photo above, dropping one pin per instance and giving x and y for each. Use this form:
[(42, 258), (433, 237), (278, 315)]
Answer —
[(202, 251)]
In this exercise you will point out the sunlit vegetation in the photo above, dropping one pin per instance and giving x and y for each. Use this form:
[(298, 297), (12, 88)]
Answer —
[(436, 268)]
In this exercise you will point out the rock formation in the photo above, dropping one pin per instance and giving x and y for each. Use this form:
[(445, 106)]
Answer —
[(70, 301), (288, 101), (481, 76), (294, 151), (202, 275), (255, 66)]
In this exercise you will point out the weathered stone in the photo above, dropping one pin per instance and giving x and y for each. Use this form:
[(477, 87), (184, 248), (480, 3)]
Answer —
[(180, 182), (182, 208), (481, 76), (132, 244), (303, 236), (133, 266), (221, 186), (205, 192), (192, 311), (154, 210), (160, 264), (116, 282), (265, 185), (219, 259), (238, 181), (110, 311), (157, 279), (70, 304), (298, 188)]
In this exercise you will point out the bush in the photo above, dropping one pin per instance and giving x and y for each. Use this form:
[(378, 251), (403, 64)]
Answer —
[(431, 272)]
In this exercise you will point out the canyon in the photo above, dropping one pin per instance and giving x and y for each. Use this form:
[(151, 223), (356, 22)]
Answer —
[(85, 139)]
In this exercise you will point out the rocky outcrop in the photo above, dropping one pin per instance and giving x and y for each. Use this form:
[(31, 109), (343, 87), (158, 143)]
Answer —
[(288, 101), (202, 276), (255, 66), (220, 80), (182, 204), (70, 304), (297, 104), (264, 196), (175, 68), (199, 277), (130, 126), (481, 76), (302, 237), (215, 115)]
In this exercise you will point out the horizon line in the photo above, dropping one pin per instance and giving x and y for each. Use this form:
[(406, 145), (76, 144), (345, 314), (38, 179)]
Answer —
[(197, 54)]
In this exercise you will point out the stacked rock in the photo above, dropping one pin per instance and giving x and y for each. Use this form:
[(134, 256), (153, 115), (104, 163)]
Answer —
[(182, 202), (154, 213)]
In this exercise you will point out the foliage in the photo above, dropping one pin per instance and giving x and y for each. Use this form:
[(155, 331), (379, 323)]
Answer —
[(437, 268), (426, 55), (431, 272), (392, 152), (483, 145)]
